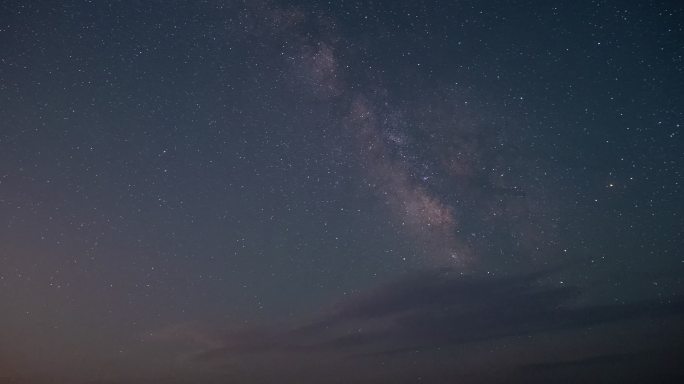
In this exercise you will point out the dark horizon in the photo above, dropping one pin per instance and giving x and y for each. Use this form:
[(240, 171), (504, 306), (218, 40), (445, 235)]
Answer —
[(272, 191)]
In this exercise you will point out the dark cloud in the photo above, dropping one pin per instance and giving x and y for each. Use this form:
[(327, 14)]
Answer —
[(660, 366), (443, 309)]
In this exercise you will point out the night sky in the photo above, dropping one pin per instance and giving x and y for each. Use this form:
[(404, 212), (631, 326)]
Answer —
[(341, 191)]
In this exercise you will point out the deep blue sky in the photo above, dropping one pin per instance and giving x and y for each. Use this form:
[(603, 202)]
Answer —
[(345, 191)]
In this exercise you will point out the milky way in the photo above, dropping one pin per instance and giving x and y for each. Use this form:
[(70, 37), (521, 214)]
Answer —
[(380, 140)]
